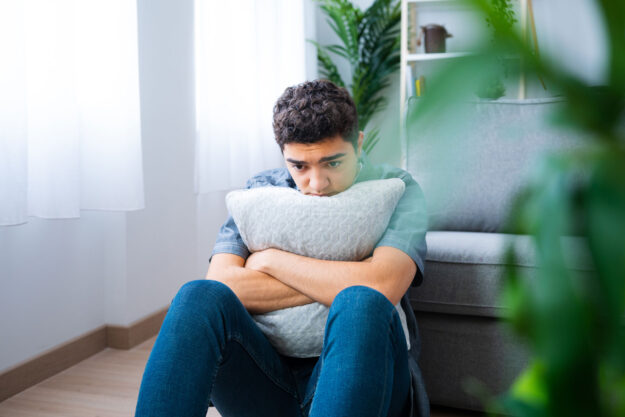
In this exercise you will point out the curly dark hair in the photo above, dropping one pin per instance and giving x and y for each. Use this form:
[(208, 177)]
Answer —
[(313, 111)]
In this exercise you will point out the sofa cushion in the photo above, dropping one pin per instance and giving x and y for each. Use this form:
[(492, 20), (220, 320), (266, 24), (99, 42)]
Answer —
[(464, 270), (472, 162)]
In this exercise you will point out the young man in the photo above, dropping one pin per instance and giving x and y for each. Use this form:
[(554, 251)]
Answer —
[(209, 350)]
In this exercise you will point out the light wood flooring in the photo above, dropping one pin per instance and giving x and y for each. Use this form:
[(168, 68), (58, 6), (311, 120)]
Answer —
[(104, 385)]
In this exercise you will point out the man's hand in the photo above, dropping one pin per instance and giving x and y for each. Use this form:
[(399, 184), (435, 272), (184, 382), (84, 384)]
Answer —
[(257, 260)]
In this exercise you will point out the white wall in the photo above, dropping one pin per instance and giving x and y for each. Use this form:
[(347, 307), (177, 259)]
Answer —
[(53, 280), (161, 240), (573, 35)]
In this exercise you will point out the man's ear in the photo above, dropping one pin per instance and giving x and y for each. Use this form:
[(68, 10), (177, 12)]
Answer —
[(361, 137)]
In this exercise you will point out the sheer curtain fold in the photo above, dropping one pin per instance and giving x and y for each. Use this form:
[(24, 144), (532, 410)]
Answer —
[(247, 53), (69, 108)]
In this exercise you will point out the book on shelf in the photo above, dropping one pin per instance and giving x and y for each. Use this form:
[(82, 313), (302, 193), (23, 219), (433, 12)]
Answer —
[(415, 86), (410, 86), (420, 86)]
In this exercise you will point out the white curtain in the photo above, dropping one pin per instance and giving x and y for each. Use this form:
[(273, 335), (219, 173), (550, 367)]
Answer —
[(247, 53), (69, 108)]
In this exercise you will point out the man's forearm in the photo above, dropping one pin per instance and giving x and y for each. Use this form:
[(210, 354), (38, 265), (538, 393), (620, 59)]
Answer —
[(322, 280), (389, 271), (259, 292)]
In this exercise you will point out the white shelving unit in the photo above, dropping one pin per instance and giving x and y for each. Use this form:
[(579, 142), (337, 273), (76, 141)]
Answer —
[(406, 57), (434, 56), (420, 59), (434, 1)]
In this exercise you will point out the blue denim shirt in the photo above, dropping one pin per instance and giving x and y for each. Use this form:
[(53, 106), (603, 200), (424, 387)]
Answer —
[(405, 231)]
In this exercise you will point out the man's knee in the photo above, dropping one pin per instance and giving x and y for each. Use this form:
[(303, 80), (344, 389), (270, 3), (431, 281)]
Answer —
[(206, 295), (359, 319), (360, 302)]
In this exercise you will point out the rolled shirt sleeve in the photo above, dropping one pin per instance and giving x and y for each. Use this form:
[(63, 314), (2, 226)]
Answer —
[(229, 238), (408, 225)]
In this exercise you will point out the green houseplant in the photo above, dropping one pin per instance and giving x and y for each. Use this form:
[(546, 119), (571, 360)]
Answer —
[(370, 44), (573, 324)]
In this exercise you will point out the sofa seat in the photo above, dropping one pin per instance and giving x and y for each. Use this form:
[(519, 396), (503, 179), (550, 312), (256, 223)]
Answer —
[(461, 318), (464, 270)]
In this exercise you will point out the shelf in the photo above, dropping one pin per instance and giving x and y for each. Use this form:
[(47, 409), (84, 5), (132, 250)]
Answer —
[(409, 12), (434, 56), (434, 1)]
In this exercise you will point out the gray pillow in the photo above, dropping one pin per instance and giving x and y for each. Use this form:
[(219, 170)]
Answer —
[(343, 227)]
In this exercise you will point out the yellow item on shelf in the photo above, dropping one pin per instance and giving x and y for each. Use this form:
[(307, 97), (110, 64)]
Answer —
[(420, 86)]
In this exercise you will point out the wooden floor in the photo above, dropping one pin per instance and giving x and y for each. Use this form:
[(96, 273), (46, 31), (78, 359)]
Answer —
[(104, 385)]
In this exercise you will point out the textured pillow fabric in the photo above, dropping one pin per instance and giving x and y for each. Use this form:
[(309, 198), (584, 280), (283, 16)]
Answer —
[(342, 227)]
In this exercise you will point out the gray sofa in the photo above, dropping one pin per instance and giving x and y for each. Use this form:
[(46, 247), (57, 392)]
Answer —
[(470, 165)]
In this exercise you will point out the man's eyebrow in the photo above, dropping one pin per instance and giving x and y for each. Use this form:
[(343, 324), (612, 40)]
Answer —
[(331, 158), (324, 159)]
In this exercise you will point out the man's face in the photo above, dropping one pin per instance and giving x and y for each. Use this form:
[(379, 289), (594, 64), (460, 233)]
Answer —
[(324, 168)]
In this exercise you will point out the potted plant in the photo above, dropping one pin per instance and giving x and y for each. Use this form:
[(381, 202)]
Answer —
[(370, 42)]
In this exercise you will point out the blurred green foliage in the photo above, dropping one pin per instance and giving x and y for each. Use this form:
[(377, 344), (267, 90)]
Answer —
[(494, 88), (572, 323), (370, 44)]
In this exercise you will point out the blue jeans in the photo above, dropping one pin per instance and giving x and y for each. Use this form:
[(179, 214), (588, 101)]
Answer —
[(210, 349)]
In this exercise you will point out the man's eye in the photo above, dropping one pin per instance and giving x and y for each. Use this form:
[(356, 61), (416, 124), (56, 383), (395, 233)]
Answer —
[(334, 164), (298, 167)]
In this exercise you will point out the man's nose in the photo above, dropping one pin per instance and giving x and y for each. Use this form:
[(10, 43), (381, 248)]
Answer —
[(318, 182)]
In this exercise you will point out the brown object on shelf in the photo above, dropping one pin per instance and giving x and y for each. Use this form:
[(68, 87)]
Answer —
[(435, 37)]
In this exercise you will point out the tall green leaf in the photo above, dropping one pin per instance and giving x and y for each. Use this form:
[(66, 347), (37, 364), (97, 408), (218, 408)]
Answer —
[(370, 44)]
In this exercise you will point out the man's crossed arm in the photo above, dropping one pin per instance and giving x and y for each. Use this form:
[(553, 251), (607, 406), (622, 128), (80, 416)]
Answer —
[(274, 279)]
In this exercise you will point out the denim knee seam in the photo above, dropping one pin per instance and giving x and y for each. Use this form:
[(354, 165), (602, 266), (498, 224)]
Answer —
[(308, 397), (390, 330), (381, 410), (214, 376)]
